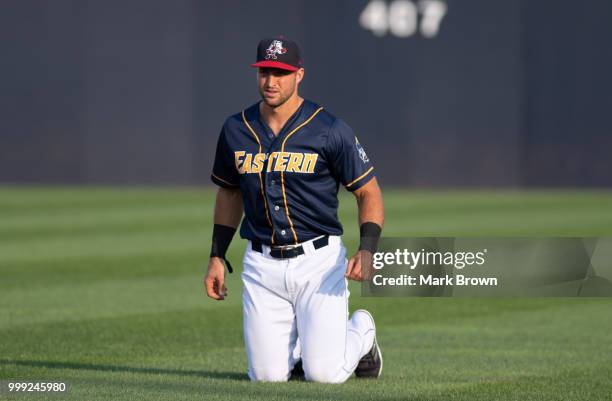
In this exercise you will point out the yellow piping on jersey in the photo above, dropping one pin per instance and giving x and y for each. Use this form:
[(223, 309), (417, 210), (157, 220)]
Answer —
[(260, 180), (282, 173), (222, 180), (360, 177)]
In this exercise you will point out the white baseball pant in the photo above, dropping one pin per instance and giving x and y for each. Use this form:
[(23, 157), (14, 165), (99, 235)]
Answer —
[(298, 308)]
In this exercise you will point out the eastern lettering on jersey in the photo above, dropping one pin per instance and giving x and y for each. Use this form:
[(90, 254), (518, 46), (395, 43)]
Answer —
[(362, 154), (276, 47), (290, 162)]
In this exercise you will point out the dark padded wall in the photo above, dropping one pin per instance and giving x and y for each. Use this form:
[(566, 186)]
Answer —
[(512, 93), (568, 62), (42, 80)]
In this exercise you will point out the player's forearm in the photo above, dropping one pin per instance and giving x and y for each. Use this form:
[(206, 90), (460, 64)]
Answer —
[(228, 207), (228, 211), (370, 203)]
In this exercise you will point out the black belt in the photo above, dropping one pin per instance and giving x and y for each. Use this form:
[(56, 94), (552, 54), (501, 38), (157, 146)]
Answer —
[(292, 252)]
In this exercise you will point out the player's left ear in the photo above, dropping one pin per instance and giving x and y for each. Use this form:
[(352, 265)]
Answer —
[(299, 75)]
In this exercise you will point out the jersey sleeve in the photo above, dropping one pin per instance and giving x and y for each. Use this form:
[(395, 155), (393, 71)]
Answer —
[(348, 159), (224, 172)]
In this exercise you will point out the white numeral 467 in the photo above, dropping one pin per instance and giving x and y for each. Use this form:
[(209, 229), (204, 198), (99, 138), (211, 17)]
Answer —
[(401, 17)]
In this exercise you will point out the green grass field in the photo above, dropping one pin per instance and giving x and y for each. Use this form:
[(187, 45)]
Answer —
[(102, 288)]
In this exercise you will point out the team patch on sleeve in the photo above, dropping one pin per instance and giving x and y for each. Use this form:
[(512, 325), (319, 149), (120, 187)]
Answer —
[(289, 162), (362, 154)]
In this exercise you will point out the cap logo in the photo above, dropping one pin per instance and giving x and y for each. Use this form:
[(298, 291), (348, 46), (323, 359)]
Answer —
[(276, 47)]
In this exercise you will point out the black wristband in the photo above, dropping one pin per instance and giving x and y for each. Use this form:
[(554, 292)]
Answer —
[(221, 238), (369, 234)]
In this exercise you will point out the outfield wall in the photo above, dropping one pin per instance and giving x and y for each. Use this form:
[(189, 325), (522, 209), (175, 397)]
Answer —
[(505, 93)]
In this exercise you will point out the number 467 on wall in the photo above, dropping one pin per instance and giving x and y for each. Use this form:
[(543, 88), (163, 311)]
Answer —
[(401, 17)]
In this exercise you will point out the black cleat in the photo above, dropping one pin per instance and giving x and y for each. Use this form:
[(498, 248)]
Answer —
[(297, 373), (371, 364)]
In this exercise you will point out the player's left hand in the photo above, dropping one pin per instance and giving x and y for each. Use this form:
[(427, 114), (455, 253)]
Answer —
[(359, 267)]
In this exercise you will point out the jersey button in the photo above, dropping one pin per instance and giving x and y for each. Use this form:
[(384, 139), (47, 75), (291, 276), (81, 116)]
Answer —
[(283, 232), (272, 182), (277, 208)]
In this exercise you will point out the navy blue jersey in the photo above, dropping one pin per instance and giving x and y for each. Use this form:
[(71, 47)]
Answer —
[(289, 182)]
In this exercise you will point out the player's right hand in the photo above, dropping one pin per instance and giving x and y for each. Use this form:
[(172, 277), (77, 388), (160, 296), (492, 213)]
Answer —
[(214, 280)]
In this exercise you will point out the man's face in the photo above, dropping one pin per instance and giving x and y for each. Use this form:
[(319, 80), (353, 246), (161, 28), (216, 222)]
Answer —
[(276, 86)]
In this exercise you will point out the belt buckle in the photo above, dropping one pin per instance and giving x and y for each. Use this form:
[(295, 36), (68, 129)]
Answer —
[(283, 249)]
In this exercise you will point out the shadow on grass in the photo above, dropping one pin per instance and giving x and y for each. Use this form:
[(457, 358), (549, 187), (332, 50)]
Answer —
[(130, 369)]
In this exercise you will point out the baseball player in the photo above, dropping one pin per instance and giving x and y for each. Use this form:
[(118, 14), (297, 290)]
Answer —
[(281, 161)]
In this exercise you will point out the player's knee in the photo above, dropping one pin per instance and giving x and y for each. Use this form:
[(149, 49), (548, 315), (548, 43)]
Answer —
[(268, 374), (322, 372)]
